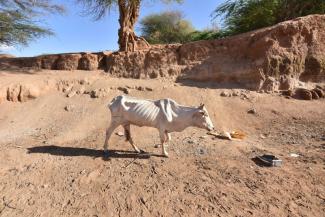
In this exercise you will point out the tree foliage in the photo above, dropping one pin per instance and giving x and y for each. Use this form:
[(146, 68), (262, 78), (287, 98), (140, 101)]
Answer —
[(166, 27), (246, 15), (205, 35), (18, 24), (98, 9)]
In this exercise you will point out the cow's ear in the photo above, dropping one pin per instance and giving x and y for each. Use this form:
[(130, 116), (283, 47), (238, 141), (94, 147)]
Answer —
[(201, 112), (201, 106)]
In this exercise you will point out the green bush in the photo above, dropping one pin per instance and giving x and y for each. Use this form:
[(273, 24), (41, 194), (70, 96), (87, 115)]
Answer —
[(165, 28), (246, 15)]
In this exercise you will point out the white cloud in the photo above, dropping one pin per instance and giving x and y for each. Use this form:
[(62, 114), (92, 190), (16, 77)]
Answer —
[(5, 48)]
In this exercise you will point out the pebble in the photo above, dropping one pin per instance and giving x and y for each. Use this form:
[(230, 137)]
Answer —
[(294, 155), (124, 90), (120, 133), (69, 108), (71, 94), (252, 111), (148, 89), (225, 94)]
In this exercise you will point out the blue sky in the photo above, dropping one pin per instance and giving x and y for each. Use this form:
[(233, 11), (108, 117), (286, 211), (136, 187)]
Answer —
[(75, 33)]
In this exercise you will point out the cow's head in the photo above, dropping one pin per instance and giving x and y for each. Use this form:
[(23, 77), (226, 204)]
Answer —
[(202, 119)]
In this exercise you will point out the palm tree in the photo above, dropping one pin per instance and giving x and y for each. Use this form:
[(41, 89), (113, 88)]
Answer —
[(128, 16)]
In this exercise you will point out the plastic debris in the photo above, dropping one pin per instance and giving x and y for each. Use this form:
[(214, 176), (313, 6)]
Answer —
[(294, 155), (270, 160)]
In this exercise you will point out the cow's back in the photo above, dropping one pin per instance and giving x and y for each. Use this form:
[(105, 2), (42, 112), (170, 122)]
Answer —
[(135, 111)]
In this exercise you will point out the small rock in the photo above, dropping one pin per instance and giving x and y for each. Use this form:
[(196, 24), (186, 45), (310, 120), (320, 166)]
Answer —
[(304, 94), (124, 90), (69, 108), (84, 81), (71, 94), (287, 93), (66, 89), (294, 155), (94, 94), (81, 90), (262, 136), (275, 112), (319, 92), (235, 93), (314, 94), (244, 96), (192, 142), (252, 111), (148, 89), (142, 200), (98, 93), (225, 94), (120, 133), (140, 88), (202, 151)]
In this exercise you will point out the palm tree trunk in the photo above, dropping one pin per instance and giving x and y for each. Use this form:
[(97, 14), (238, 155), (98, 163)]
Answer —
[(129, 13)]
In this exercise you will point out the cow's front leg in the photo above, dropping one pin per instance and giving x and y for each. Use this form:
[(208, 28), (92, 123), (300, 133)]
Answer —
[(168, 137), (163, 140), (128, 136), (109, 132)]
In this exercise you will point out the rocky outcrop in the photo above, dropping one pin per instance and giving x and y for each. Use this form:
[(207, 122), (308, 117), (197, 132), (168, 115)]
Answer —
[(280, 57), (68, 61), (88, 62), (21, 92), (158, 61)]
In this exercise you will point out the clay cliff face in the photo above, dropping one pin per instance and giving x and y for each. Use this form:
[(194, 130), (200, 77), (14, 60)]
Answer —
[(274, 58)]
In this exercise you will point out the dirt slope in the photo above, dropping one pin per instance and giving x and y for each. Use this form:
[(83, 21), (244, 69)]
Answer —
[(51, 160), (280, 57)]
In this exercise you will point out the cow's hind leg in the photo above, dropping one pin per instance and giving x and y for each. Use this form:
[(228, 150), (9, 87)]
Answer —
[(109, 132), (127, 130), (163, 140)]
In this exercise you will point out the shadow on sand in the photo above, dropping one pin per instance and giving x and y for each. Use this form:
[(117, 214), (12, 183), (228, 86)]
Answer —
[(72, 152)]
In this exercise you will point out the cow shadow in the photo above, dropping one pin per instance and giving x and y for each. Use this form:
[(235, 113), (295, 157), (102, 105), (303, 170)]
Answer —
[(74, 152)]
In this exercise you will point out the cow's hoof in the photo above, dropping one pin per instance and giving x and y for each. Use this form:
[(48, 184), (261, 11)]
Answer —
[(165, 155), (157, 145)]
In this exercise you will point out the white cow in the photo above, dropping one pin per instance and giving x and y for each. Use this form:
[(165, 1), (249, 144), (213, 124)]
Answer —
[(164, 114)]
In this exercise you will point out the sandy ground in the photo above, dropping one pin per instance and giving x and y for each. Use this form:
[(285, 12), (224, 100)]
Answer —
[(52, 164)]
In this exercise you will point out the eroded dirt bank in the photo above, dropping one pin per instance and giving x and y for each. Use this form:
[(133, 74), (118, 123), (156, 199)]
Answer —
[(281, 57), (51, 160)]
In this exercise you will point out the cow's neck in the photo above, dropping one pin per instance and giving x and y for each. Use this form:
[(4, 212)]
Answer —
[(184, 117)]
